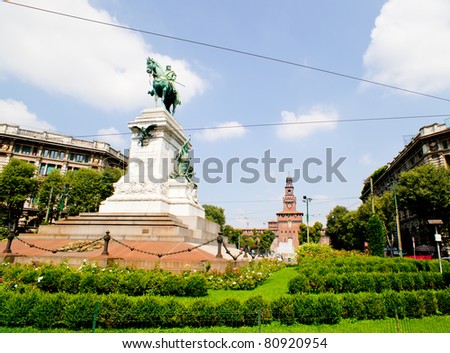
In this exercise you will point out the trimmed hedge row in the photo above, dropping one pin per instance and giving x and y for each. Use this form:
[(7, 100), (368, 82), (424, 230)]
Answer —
[(367, 282), (46, 310), (113, 279), (368, 264), (91, 279)]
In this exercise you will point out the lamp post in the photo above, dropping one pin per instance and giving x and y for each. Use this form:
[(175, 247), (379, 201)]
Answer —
[(438, 238), (307, 200)]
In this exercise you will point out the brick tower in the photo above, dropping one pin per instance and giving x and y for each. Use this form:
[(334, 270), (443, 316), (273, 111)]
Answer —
[(288, 222)]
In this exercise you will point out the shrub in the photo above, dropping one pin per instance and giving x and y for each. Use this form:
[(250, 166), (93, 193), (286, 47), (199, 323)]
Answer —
[(230, 313), (299, 284), (329, 310), (133, 283), (200, 313), (255, 307), (147, 311), (50, 278), (305, 308), (17, 309), (174, 313), (443, 301), (283, 310), (115, 311), (195, 286), (69, 282), (48, 310), (79, 311)]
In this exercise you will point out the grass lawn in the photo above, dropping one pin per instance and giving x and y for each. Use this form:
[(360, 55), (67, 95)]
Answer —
[(273, 288)]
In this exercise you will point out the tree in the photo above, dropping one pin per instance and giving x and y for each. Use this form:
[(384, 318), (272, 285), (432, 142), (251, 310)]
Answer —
[(315, 232), (344, 229), (234, 235), (425, 192), (215, 214), (50, 194), (87, 188), (265, 241), (17, 184), (108, 177), (376, 236)]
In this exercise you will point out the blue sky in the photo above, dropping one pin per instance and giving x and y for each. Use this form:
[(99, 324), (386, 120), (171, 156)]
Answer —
[(80, 78)]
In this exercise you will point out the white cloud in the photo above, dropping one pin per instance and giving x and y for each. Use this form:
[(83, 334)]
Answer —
[(410, 45), (368, 160), (99, 65), (16, 113), (224, 131), (298, 126), (112, 136)]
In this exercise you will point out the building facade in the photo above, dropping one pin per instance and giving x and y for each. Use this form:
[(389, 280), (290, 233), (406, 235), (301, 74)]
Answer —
[(49, 151), (288, 222), (430, 146)]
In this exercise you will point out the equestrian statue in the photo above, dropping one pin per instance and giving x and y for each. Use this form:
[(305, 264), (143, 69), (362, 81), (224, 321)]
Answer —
[(163, 84)]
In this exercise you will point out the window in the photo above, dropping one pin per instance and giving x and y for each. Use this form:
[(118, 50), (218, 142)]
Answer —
[(54, 154), (86, 159), (62, 155), (71, 156), (26, 149), (50, 167), (42, 169), (45, 153), (17, 148), (80, 158)]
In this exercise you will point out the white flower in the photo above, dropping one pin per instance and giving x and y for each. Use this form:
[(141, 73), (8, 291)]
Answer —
[(40, 278)]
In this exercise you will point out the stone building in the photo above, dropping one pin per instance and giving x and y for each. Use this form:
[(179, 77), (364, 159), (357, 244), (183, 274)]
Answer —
[(286, 226), (430, 146), (49, 151), (288, 222)]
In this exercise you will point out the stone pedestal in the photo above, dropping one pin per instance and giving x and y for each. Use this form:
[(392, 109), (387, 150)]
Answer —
[(148, 203), (147, 186)]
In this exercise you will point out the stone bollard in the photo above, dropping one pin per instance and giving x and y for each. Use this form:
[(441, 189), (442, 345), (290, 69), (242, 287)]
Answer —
[(219, 246), (106, 240), (10, 238)]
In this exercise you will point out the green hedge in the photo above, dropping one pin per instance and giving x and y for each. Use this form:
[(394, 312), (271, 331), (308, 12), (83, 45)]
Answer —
[(136, 282), (367, 282), (344, 265), (92, 279), (76, 312)]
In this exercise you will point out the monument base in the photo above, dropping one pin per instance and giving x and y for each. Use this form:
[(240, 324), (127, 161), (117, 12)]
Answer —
[(155, 200), (137, 227)]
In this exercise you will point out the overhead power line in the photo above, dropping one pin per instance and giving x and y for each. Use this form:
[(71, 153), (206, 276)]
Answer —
[(293, 123), (228, 49)]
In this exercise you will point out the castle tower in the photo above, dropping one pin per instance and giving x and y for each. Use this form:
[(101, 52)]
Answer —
[(288, 221)]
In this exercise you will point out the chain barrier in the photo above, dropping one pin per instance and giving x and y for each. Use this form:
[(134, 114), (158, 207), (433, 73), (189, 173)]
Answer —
[(159, 255), (83, 246), (229, 252)]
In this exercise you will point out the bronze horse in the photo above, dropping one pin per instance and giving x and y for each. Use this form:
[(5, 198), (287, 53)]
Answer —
[(163, 85)]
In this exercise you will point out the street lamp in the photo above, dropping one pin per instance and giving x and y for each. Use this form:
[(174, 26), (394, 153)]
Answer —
[(307, 200), (438, 238)]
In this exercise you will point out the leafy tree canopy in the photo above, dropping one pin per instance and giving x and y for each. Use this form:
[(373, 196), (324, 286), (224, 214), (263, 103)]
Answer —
[(17, 184), (215, 214)]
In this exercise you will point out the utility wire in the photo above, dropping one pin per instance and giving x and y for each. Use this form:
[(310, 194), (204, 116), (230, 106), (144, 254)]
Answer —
[(228, 49), (292, 123)]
